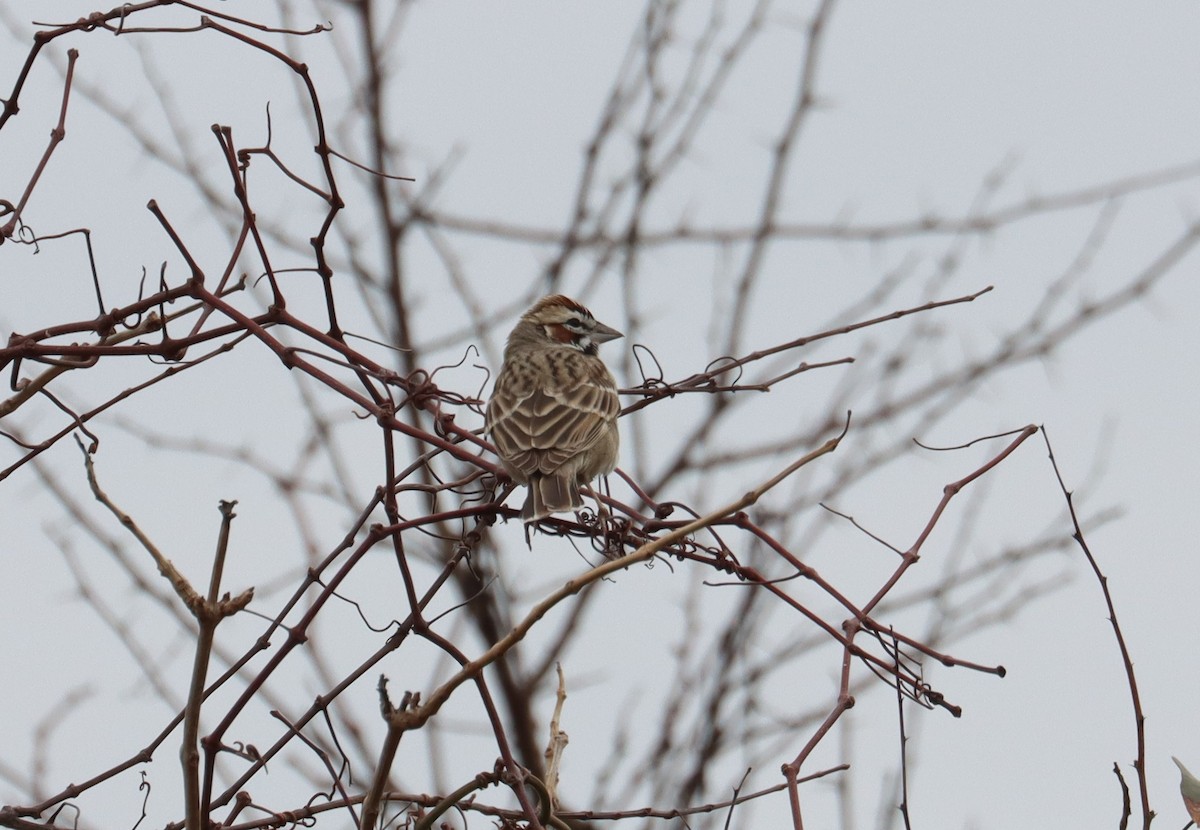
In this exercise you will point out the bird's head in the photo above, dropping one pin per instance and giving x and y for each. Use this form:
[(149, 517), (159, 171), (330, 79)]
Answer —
[(568, 323)]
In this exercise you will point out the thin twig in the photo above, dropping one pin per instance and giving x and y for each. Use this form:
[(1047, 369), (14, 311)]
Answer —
[(1139, 718)]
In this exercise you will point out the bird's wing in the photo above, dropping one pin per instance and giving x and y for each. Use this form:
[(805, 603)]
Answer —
[(538, 430)]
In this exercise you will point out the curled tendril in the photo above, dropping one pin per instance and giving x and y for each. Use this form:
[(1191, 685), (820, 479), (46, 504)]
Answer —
[(420, 387), (141, 294), (648, 381), (471, 348), (53, 820), (26, 236), (145, 788), (716, 367), (125, 7)]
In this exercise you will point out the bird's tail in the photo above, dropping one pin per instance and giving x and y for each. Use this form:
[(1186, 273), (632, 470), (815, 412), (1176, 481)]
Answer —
[(550, 494)]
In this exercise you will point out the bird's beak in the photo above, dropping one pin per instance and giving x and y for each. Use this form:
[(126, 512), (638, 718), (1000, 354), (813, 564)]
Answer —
[(602, 333)]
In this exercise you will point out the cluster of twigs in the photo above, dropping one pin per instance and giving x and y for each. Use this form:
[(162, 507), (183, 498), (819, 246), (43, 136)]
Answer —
[(439, 492)]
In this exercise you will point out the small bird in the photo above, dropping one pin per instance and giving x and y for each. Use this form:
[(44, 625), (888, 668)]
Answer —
[(553, 410), (1189, 787)]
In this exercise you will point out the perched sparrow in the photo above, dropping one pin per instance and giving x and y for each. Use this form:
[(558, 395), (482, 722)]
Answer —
[(553, 412)]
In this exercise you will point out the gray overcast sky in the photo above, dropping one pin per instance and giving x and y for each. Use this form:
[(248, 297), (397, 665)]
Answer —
[(920, 103)]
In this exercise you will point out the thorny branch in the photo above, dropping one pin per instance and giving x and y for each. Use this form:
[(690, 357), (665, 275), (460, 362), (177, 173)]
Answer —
[(1139, 717)]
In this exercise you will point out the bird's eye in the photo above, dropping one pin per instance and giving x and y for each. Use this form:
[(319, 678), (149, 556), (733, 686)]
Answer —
[(574, 323)]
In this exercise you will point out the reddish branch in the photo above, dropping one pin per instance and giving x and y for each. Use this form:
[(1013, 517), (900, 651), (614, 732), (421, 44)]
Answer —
[(1139, 717)]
